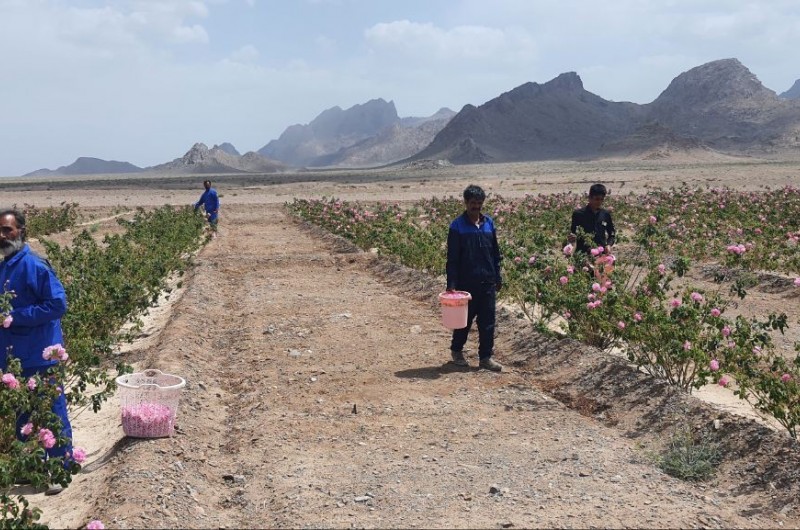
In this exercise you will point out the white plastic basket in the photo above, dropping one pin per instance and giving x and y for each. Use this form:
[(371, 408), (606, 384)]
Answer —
[(149, 402)]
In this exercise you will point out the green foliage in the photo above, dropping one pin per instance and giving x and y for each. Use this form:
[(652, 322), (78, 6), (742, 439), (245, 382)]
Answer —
[(681, 336), (17, 513), (43, 221), (689, 458), (108, 284), (111, 283)]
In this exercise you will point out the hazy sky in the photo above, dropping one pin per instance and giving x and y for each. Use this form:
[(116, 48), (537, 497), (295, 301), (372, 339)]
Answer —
[(143, 80)]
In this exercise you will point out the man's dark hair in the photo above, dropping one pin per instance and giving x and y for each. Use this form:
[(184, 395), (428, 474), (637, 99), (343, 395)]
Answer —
[(474, 192), (19, 217), (597, 190), (206, 182)]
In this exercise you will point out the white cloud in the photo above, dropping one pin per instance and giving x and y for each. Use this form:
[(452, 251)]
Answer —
[(246, 54), (426, 42), (194, 33)]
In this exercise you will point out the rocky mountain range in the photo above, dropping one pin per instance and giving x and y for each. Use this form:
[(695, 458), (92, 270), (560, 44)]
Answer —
[(219, 159), (718, 107), (363, 135), (399, 140)]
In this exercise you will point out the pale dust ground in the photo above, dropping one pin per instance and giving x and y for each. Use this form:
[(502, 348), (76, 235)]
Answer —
[(324, 391)]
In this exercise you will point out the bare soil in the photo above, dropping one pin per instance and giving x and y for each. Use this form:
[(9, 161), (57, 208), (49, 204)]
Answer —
[(319, 394)]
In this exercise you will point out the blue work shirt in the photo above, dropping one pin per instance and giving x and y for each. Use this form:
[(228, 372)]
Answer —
[(473, 255), (210, 202), (38, 306)]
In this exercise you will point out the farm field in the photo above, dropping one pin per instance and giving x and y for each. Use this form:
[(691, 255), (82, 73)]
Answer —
[(318, 392)]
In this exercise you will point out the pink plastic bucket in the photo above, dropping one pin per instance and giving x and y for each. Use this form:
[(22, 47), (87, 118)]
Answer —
[(455, 305)]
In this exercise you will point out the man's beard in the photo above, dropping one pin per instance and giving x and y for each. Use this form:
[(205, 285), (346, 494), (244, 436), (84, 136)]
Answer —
[(8, 248)]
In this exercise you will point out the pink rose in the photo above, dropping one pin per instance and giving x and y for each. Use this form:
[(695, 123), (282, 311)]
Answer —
[(724, 382), (10, 381), (95, 524), (79, 454), (47, 438), (55, 352), (653, 219), (31, 384), (9, 319), (563, 280), (726, 331), (595, 287), (785, 378), (517, 259), (26, 429), (595, 252), (675, 302), (796, 284), (621, 324), (714, 365), (637, 317), (687, 345), (697, 297), (569, 249), (715, 312), (567, 315), (662, 269), (531, 260)]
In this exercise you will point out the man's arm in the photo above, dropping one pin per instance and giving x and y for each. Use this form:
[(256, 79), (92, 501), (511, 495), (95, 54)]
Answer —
[(610, 231), (214, 202), (573, 227), (453, 254), (498, 282), (51, 300)]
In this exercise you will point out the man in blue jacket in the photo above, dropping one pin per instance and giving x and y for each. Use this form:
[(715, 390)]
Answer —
[(473, 265), (210, 202), (37, 308)]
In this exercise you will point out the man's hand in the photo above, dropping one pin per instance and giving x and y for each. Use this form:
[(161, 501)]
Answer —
[(572, 238)]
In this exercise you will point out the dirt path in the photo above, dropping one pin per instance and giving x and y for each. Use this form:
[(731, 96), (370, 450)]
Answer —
[(318, 396)]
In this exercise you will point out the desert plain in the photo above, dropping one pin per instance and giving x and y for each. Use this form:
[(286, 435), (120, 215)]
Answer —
[(319, 395)]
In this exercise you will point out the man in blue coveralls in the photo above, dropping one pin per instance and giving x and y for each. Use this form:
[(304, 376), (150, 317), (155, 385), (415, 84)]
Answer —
[(473, 265), (210, 202), (37, 308)]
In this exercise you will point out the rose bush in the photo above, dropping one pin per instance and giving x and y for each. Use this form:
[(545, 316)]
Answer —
[(680, 335)]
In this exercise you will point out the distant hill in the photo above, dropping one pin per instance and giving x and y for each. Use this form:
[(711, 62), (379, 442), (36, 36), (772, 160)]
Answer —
[(88, 166), (534, 122), (200, 159), (792, 93), (400, 140), (717, 106), (330, 131), (228, 148), (724, 105)]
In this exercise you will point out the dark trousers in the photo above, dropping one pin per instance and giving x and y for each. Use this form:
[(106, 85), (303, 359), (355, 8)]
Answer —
[(481, 306), (59, 409)]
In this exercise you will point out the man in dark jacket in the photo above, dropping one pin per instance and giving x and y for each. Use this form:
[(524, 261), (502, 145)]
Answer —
[(473, 265), (595, 221), (37, 307)]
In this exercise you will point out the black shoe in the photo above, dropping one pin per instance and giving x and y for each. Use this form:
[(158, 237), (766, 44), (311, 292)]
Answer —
[(458, 358), (490, 364)]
